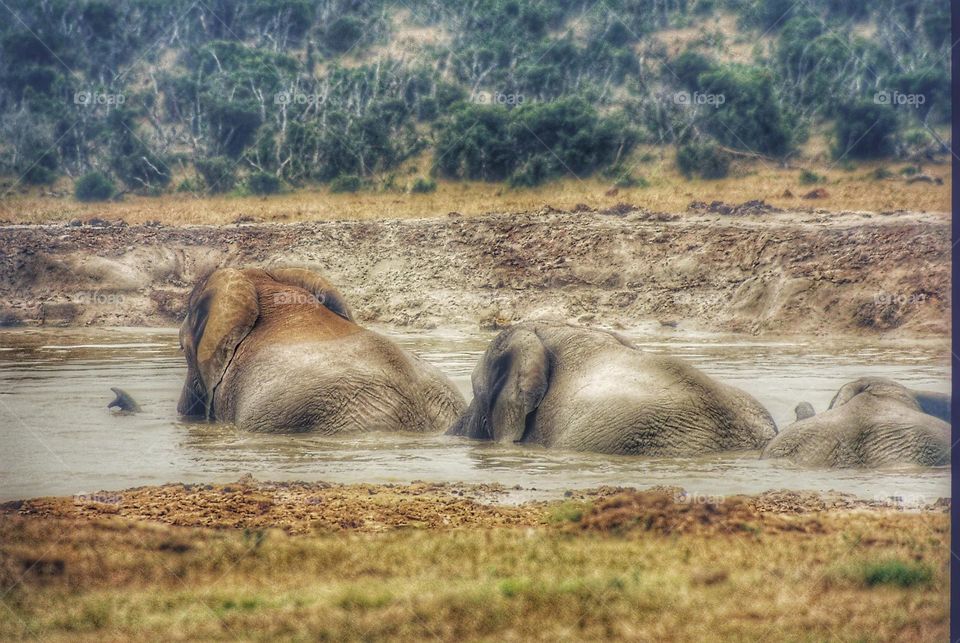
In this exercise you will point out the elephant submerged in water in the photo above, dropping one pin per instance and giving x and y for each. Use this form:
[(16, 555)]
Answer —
[(871, 422), (568, 387), (277, 350)]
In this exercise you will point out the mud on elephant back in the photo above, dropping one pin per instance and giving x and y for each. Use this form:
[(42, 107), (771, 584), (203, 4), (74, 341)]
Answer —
[(277, 350)]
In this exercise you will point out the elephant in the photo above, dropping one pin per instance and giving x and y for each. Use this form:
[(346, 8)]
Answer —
[(277, 350), (563, 386), (871, 422)]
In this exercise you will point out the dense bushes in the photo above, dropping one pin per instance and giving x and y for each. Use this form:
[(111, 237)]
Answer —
[(531, 143), (513, 90), (218, 173), (750, 116), (263, 183), (94, 186), (702, 159), (864, 129)]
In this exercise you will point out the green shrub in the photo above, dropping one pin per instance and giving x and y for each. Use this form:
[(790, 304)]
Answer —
[(263, 183), (881, 174), (750, 116), (531, 143), (218, 173), (705, 160), (346, 183), (809, 177), (896, 572), (423, 186), (94, 186), (864, 129)]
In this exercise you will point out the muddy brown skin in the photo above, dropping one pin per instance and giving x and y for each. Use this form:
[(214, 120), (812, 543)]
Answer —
[(278, 351), (871, 422), (588, 390)]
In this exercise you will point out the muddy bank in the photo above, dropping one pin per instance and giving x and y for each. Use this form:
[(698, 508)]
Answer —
[(734, 269), (305, 507)]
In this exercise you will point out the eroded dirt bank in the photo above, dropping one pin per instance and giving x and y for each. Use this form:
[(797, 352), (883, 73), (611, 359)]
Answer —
[(747, 270)]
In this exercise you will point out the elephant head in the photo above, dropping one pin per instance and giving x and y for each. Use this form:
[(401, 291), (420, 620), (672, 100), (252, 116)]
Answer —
[(278, 350), (508, 384), (221, 310)]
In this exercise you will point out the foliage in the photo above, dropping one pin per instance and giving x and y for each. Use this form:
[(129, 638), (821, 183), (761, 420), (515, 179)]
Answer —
[(218, 172), (749, 118), (279, 85), (896, 572), (263, 183), (531, 143), (346, 183), (94, 186), (423, 185), (864, 129), (704, 160)]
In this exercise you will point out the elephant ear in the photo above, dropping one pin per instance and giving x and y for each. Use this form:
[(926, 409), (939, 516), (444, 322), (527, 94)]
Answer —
[(316, 285), (519, 380), (224, 313)]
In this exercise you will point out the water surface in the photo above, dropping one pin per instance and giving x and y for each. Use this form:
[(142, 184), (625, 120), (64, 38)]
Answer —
[(57, 436)]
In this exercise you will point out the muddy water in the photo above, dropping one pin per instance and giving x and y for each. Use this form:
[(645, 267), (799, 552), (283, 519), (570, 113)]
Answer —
[(57, 436)]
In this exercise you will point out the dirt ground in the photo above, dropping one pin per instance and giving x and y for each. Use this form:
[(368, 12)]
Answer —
[(257, 561), (745, 268)]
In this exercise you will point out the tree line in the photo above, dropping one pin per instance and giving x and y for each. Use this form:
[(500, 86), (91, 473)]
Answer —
[(255, 94)]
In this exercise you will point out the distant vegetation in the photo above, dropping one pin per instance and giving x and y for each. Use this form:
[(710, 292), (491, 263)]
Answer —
[(226, 94)]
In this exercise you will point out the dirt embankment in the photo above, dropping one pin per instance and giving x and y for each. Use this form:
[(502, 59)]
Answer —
[(310, 507), (744, 269)]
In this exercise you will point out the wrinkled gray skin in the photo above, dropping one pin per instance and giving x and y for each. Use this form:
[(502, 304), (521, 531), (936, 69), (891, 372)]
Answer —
[(277, 350), (872, 422), (576, 388)]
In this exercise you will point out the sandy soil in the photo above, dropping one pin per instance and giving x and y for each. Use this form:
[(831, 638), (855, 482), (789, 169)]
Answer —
[(746, 268)]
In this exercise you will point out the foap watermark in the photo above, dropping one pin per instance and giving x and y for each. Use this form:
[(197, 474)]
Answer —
[(899, 99), (297, 98), (98, 298), (695, 498), (699, 98), (99, 498), (88, 98), (902, 299), (299, 298), (498, 98)]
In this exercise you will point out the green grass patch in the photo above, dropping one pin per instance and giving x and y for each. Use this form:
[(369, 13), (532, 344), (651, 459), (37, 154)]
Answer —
[(895, 572), (569, 511)]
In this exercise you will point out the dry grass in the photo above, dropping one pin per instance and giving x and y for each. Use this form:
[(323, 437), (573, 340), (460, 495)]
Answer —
[(878, 573), (667, 191)]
